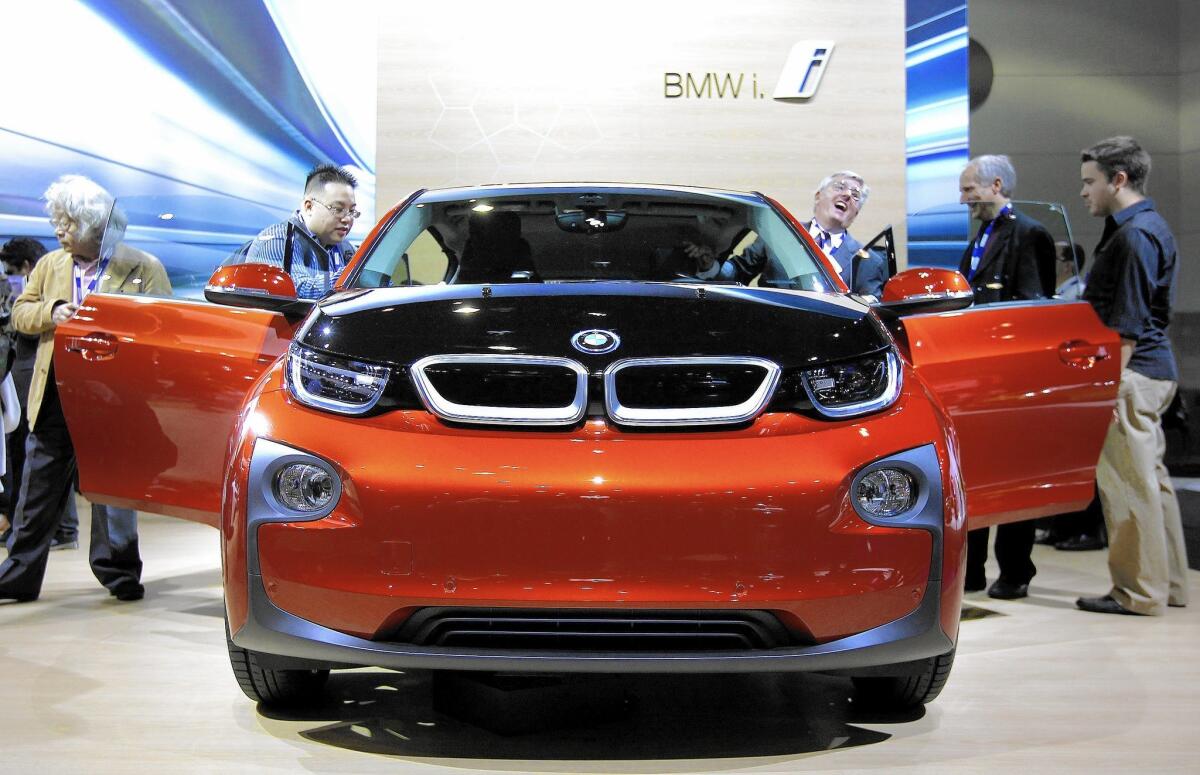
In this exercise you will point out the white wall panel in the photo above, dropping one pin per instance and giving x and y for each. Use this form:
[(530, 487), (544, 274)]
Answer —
[(1079, 37), (1071, 72), (1189, 36), (1063, 114), (478, 92)]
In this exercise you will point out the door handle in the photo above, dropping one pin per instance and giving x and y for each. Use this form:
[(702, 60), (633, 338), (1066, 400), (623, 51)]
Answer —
[(1081, 354), (95, 346)]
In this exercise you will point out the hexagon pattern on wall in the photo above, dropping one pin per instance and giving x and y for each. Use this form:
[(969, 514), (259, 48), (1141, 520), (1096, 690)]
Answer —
[(493, 139)]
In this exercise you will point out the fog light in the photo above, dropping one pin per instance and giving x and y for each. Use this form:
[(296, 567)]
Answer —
[(886, 492), (303, 487)]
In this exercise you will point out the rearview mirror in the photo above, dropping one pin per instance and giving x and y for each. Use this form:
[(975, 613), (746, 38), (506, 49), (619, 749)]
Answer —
[(257, 286), (926, 289), (590, 220)]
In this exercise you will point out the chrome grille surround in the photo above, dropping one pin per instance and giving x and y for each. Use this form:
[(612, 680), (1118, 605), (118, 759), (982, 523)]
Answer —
[(677, 416), (446, 409)]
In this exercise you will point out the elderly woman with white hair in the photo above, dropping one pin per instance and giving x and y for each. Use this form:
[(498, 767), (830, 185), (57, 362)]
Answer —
[(80, 210)]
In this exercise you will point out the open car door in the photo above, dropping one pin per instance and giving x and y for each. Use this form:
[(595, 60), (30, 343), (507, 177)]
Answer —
[(1030, 387), (151, 389)]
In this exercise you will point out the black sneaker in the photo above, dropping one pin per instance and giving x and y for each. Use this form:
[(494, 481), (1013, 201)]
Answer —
[(128, 592), (62, 542)]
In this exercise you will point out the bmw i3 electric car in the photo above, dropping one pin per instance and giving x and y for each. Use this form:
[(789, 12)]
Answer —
[(523, 433)]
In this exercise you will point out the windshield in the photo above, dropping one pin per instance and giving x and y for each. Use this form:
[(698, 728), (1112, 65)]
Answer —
[(547, 235)]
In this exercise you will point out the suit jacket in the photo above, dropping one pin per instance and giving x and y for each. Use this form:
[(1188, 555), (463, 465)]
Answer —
[(863, 275), (1017, 262), (52, 283)]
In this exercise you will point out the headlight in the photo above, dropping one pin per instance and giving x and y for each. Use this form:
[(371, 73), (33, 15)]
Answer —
[(885, 492), (336, 384), (854, 387), (303, 487)]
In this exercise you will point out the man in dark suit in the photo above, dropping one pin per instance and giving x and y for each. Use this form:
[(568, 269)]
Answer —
[(836, 203), (1012, 257)]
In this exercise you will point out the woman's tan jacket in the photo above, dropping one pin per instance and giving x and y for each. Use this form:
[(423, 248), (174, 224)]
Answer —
[(53, 282)]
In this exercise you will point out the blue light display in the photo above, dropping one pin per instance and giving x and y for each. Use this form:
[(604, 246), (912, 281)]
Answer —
[(201, 116), (936, 129)]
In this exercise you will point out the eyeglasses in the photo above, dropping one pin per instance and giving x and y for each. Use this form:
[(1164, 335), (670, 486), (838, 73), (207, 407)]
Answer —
[(339, 211), (842, 187), (64, 223)]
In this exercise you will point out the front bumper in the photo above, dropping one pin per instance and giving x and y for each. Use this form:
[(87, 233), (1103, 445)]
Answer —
[(270, 630)]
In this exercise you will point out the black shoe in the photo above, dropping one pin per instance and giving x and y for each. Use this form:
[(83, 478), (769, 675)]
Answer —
[(1103, 605), (975, 585), (128, 592), (1081, 543), (1006, 590), (19, 598), (61, 542)]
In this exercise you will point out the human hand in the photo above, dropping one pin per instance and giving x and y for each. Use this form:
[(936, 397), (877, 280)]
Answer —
[(63, 312), (701, 254)]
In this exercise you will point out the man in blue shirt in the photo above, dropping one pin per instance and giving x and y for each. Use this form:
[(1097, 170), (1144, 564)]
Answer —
[(326, 215), (1131, 287)]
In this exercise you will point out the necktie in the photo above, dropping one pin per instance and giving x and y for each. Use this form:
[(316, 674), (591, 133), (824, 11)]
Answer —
[(823, 239)]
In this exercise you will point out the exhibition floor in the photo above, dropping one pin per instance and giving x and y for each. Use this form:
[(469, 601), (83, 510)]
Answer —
[(89, 684)]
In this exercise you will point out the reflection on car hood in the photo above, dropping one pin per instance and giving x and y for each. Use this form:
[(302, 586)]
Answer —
[(400, 325)]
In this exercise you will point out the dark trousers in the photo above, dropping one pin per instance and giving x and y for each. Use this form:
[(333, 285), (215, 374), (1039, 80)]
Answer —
[(1089, 522), (1014, 545), (46, 485), (22, 374)]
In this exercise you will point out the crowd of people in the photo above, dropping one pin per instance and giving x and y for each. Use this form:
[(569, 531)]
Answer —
[(1011, 257)]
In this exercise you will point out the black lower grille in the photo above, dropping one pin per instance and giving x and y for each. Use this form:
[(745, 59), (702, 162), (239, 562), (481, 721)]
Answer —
[(594, 630)]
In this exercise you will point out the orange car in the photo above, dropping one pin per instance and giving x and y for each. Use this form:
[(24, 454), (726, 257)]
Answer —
[(523, 433)]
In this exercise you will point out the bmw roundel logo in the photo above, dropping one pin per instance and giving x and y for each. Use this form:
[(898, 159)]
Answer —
[(595, 342)]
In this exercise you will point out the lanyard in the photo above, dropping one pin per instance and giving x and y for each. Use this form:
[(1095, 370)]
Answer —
[(80, 293), (981, 243)]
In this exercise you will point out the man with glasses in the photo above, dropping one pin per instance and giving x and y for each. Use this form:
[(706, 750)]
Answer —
[(83, 215), (325, 217), (836, 203)]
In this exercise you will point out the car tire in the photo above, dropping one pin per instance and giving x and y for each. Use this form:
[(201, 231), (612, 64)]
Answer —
[(270, 686), (901, 692)]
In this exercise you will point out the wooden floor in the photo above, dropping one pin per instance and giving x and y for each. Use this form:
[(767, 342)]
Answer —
[(92, 685)]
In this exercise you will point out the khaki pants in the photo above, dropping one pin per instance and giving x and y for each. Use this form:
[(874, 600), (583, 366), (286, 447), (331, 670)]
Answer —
[(1146, 554)]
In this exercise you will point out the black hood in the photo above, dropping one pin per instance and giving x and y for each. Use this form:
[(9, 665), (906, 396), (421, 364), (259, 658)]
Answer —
[(400, 325)]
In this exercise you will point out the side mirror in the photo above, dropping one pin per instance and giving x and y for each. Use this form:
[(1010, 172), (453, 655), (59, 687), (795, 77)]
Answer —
[(257, 286), (926, 289)]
